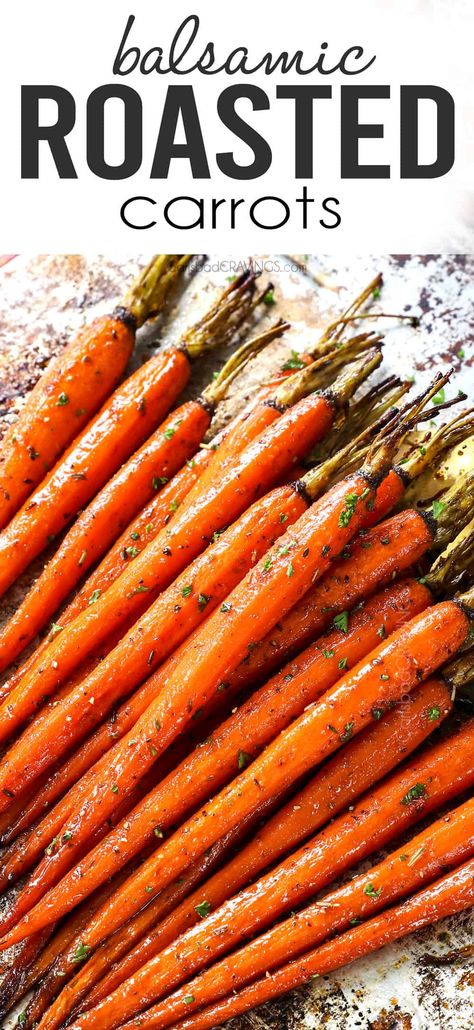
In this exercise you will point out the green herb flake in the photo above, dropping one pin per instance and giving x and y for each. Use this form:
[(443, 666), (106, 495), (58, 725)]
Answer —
[(269, 297), (203, 909), (461, 353), (283, 517), (158, 832), (114, 788), (81, 953), (437, 508), (186, 591), (66, 836), (382, 632), (417, 791), (290, 570), (384, 676), (434, 713), (203, 599), (243, 759), (348, 731), (226, 607), (169, 433), (94, 596), (341, 621), (62, 400), (188, 1000), (132, 551), (294, 362), (342, 663), (377, 713), (267, 564), (347, 512), (371, 892), (51, 847), (376, 292), (327, 653), (440, 397), (134, 536)]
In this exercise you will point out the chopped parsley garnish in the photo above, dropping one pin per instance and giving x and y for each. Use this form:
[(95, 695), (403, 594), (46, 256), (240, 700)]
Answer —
[(341, 621), (417, 791), (243, 760), (203, 909), (437, 508), (62, 399), (81, 953), (186, 591), (434, 713), (226, 607), (294, 362), (94, 596), (371, 892)]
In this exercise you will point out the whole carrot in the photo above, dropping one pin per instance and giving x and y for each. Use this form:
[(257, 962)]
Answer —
[(265, 461), (453, 893), (375, 559), (395, 667), (75, 384), (352, 770), (374, 821), (133, 411), (175, 441)]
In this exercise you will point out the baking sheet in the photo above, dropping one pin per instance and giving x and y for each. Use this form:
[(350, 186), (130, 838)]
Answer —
[(45, 298)]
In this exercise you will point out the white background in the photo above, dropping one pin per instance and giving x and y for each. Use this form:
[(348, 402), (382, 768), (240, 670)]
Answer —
[(73, 45)]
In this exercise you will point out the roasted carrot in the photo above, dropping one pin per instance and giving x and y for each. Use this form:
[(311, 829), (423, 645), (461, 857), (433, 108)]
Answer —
[(124, 422), (170, 446), (74, 386), (243, 734), (270, 457), (440, 847), (395, 667), (373, 822), (453, 893), (352, 770)]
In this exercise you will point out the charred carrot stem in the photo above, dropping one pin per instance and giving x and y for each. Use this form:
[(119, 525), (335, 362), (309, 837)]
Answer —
[(170, 446), (366, 759), (74, 386), (374, 822), (453, 892)]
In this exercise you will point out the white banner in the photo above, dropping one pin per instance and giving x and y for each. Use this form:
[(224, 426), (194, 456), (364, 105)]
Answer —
[(194, 145)]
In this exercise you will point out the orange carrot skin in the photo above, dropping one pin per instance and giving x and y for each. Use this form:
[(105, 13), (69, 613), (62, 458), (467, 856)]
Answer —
[(167, 623), (374, 559), (260, 465), (253, 726), (453, 893), (102, 522), (122, 425), (375, 820), (66, 396), (407, 657), (369, 757)]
